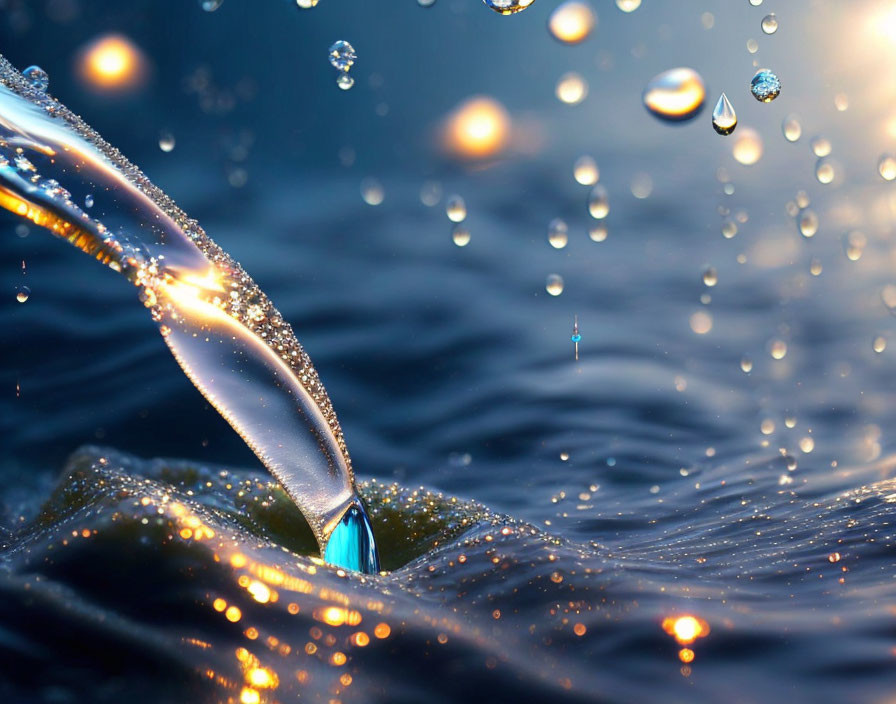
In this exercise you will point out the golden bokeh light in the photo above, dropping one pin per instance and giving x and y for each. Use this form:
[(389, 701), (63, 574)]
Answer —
[(572, 22), (685, 629), (478, 128), (112, 63)]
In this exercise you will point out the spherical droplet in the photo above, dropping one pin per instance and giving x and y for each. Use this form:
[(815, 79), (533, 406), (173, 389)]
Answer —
[(879, 344), (372, 191), (460, 235), (807, 444), (821, 146), (886, 167), (22, 293), (791, 128), (724, 119), (508, 7), (747, 148), (770, 24), (210, 5), (710, 277), (306, 4), (765, 86), (752, 46), (554, 284), (572, 21), (825, 171), (571, 88), (558, 233), (599, 202), (430, 193), (166, 141), (37, 78), (807, 222), (729, 229), (585, 171), (854, 245), (675, 95), (598, 232), (426, 3), (746, 365), (456, 209), (701, 322), (755, 3), (641, 186), (777, 349), (628, 5), (345, 81), (342, 55), (88, 201)]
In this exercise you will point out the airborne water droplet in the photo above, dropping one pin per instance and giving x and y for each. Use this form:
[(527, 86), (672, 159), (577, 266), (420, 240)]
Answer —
[(88, 201), (675, 95), (342, 55), (765, 86), (460, 235), (825, 171), (456, 209), (306, 4), (807, 223), (770, 24), (210, 5), (22, 293), (628, 5), (747, 148), (710, 277), (166, 141), (554, 284), (724, 119), (886, 167), (372, 191), (791, 128), (571, 88), (37, 78), (598, 233), (426, 3), (345, 81), (599, 202), (821, 146), (585, 171), (558, 233), (572, 21), (508, 7)]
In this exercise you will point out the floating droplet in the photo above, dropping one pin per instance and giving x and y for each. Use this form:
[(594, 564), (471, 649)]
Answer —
[(571, 88), (675, 95), (886, 167), (641, 186), (554, 284), (807, 444), (729, 229), (342, 55), (345, 81), (372, 191), (210, 5), (572, 21), (37, 78), (599, 202), (426, 3), (628, 5), (456, 209), (478, 128), (791, 128), (701, 322), (825, 171), (586, 172), (88, 201), (770, 24), (306, 4), (598, 233), (747, 148), (888, 296), (430, 193), (821, 146), (777, 349), (841, 102), (879, 344), (508, 7), (22, 293), (166, 141), (460, 235), (710, 277), (765, 86), (807, 223), (752, 46), (755, 3), (815, 267), (854, 245), (746, 365), (558, 233), (724, 119)]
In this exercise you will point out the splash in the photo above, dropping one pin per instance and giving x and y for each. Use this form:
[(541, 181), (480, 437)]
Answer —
[(223, 331)]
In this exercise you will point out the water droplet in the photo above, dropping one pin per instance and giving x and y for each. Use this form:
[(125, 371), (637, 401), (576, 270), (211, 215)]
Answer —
[(345, 81), (807, 223), (210, 5), (755, 3), (508, 7), (777, 349), (456, 209), (166, 141), (572, 21), (628, 5), (807, 444), (372, 191), (791, 128), (888, 296), (729, 229), (641, 186), (770, 24), (571, 88), (598, 233), (460, 235), (37, 78), (675, 95), (558, 233), (88, 201), (599, 202), (841, 102), (765, 86), (22, 293), (767, 426), (825, 171), (426, 3), (815, 267), (886, 167), (747, 148), (802, 199), (879, 344), (710, 277), (790, 463), (854, 245), (821, 146), (752, 46), (586, 172), (724, 119), (306, 4), (430, 193), (746, 365), (554, 284), (701, 322), (342, 55)]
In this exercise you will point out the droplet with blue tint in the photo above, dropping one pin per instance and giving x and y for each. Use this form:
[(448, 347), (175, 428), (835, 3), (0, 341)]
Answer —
[(508, 7), (724, 119), (765, 86), (37, 78), (342, 55), (351, 544)]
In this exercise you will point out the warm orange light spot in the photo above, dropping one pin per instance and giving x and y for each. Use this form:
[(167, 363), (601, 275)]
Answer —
[(685, 629), (293, 608), (237, 560), (260, 592), (382, 630), (477, 129), (579, 629), (360, 639), (186, 533), (261, 677), (219, 604), (249, 696), (233, 614), (112, 63), (686, 655), (336, 616), (251, 633), (345, 679), (572, 22), (338, 658)]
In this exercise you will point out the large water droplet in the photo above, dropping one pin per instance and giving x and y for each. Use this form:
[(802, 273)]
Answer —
[(675, 95), (724, 119), (598, 232), (22, 293), (585, 171), (765, 86), (572, 21), (770, 24), (508, 7), (456, 209), (426, 3), (460, 235), (755, 3), (88, 201), (558, 233), (599, 202), (554, 284), (37, 78), (747, 148), (791, 128), (342, 55)]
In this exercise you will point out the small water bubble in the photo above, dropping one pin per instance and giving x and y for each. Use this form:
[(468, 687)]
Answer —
[(166, 141), (886, 167), (765, 86), (824, 171), (554, 284), (585, 171), (598, 233), (22, 230), (572, 21), (88, 201), (746, 365), (747, 148), (807, 222), (770, 24), (342, 55), (571, 88), (37, 78), (508, 7), (710, 277), (345, 81), (460, 235), (879, 344), (456, 209), (22, 293), (599, 202), (767, 427), (729, 229), (791, 128), (675, 95), (724, 119), (558, 233), (821, 146), (372, 191), (854, 245)]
